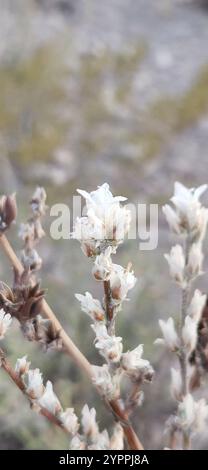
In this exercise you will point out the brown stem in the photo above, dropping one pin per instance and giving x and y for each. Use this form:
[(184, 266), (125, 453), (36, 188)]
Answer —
[(72, 350), (109, 309), (6, 366)]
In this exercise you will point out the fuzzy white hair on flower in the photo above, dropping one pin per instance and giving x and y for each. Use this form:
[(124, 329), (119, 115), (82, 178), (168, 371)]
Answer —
[(22, 366), (189, 334), (176, 384), (34, 384), (106, 220), (108, 386), (91, 306), (197, 305), (103, 265), (69, 420), (195, 260), (176, 261), (117, 439), (102, 442), (121, 281), (49, 400), (135, 366), (170, 337), (89, 424), (189, 215), (77, 443), (5, 322), (193, 414), (110, 347)]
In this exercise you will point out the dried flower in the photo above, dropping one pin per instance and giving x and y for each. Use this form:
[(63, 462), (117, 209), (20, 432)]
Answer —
[(69, 420), (176, 261), (170, 339), (91, 306), (196, 306), (34, 384), (5, 322), (136, 367), (89, 425), (189, 334), (22, 366), (38, 202), (49, 400), (176, 384), (8, 211)]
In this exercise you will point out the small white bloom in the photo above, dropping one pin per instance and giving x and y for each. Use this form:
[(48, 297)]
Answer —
[(91, 306), (107, 385), (5, 322), (176, 261), (195, 260), (49, 400), (193, 414), (34, 384), (170, 337), (136, 367), (102, 442), (186, 411), (106, 220), (22, 366), (38, 202), (31, 259), (121, 281), (189, 334), (197, 305), (110, 347), (176, 384), (89, 425), (26, 232), (77, 443), (117, 439), (103, 265), (69, 420)]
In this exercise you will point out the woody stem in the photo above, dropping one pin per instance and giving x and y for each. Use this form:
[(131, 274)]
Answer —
[(71, 349)]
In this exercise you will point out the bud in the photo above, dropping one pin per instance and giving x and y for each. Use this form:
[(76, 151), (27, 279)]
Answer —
[(69, 420), (34, 384), (89, 425), (5, 322), (195, 260), (197, 305), (176, 261), (91, 306), (22, 366), (189, 334), (170, 337), (103, 265), (49, 400), (117, 439), (176, 384)]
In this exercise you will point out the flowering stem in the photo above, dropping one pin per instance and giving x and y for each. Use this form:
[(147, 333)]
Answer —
[(5, 364), (72, 350)]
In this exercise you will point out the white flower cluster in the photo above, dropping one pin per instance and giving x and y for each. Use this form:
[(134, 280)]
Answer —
[(190, 220), (91, 437), (188, 217), (45, 399), (5, 322), (106, 221)]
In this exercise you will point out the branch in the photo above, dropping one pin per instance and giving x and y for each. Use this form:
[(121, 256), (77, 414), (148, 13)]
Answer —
[(72, 350), (5, 364)]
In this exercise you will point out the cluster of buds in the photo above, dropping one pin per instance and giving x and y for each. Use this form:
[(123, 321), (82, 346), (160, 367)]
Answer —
[(8, 211), (32, 231), (102, 210), (106, 221), (189, 219)]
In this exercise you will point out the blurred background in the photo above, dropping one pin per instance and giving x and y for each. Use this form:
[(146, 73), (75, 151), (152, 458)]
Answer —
[(93, 91)]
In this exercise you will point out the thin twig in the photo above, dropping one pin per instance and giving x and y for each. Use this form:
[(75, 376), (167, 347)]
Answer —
[(72, 350), (6, 366)]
